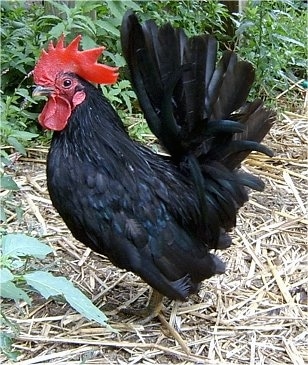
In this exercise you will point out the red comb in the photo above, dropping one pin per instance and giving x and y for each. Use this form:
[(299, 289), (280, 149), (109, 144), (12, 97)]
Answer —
[(68, 59)]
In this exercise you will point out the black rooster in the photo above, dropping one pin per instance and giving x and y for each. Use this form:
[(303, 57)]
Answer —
[(153, 215)]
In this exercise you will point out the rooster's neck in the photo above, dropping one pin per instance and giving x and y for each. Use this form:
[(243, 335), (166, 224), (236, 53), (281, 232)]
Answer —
[(95, 135)]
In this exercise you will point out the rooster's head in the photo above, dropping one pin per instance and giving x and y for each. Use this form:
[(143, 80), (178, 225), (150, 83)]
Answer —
[(55, 77)]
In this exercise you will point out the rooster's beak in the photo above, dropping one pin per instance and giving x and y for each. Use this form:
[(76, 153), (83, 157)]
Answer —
[(43, 91)]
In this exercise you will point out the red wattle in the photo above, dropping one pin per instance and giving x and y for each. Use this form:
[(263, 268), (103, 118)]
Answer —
[(55, 114)]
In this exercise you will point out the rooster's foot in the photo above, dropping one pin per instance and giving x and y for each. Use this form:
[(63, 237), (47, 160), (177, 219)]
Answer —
[(150, 311)]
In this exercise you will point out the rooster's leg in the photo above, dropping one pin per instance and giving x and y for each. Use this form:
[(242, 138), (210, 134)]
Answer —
[(150, 311)]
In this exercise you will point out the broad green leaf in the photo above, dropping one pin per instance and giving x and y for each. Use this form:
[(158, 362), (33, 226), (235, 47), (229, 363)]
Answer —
[(6, 346), (132, 5), (49, 285), (11, 291), (17, 145), (4, 157), (18, 244), (5, 275), (116, 9), (24, 135), (87, 42), (108, 27), (7, 183), (46, 284), (57, 30)]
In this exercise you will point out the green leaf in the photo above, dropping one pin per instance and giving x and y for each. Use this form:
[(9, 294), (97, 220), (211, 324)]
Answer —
[(116, 8), (48, 17), (5, 275), (87, 42), (17, 145), (27, 136), (243, 27), (11, 291), (124, 84), (127, 102), (108, 27), (18, 244), (116, 58), (57, 30), (2, 214), (290, 40), (132, 5), (7, 183), (49, 285), (63, 8), (86, 22), (6, 346), (4, 157)]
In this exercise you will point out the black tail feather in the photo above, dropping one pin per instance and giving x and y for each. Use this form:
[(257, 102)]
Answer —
[(182, 91), (236, 78), (198, 110)]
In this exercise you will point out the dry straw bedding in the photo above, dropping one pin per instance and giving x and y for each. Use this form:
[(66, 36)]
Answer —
[(255, 314)]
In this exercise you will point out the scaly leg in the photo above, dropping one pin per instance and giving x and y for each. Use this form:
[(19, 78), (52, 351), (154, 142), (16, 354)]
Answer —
[(150, 311)]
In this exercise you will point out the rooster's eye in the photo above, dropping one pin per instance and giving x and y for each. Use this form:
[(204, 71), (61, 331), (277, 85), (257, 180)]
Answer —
[(67, 83)]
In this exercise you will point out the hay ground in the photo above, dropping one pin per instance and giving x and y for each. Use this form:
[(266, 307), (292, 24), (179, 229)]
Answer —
[(254, 314)]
